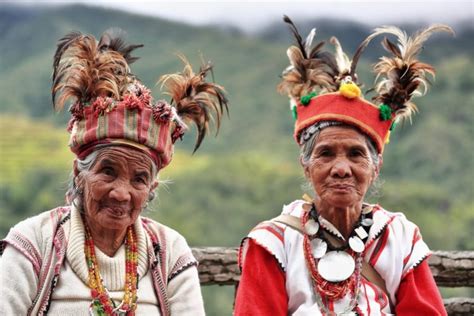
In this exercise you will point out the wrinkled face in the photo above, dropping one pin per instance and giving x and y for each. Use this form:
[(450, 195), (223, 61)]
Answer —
[(117, 186), (341, 168)]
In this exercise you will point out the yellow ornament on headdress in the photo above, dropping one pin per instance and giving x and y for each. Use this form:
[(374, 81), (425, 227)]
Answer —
[(349, 89)]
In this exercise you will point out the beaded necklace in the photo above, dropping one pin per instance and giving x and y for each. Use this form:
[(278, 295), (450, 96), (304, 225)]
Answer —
[(102, 304), (315, 245)]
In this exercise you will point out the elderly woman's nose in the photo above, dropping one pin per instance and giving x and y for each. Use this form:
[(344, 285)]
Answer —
[(120, 193), (341, 168)]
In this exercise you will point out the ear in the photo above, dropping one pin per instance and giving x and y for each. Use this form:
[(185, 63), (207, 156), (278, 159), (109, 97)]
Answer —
[(305, 168), (74, 168), (378, 167), (154, 185)]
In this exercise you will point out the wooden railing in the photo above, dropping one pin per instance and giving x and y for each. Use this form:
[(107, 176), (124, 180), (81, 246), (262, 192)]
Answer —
[(218, 266)]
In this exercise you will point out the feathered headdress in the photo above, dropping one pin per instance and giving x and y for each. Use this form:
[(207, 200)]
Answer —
[(111, 106), (323, 86)]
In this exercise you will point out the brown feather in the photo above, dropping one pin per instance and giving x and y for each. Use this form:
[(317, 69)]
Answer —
[(83, 72), (310, 67), (195, 99), (400, 77)]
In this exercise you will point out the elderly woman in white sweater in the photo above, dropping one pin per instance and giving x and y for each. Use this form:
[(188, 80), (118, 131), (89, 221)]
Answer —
[(97, 255)]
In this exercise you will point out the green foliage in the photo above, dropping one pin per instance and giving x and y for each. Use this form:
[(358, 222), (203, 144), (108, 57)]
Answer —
[(233, 182)]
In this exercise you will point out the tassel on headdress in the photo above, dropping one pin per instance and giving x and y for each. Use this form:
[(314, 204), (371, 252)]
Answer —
[(402, 76), (195, 99)]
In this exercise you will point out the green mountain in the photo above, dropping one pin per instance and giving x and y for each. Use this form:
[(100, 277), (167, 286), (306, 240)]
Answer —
[(245, 175)]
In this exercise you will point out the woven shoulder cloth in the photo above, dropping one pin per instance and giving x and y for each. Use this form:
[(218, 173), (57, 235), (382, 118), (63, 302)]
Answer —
[(367, 270)]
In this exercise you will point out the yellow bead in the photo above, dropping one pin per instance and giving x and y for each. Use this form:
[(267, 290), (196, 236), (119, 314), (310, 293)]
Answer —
[(349, 90)]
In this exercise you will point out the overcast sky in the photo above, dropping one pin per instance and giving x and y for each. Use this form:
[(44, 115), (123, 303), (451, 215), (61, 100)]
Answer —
[(249, 15)]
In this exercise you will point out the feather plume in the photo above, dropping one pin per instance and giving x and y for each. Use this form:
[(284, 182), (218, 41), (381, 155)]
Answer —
[(113, 39), (402, 76), (309, 68), (343, 62), (195, 99), (84, 70)]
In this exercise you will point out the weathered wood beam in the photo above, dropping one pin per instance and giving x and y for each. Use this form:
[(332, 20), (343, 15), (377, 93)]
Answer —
[(459, 306), (218, 265), (453, 268)]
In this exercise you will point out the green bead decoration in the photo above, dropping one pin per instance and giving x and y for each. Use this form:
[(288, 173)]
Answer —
[(385, 112), (294, 113), (392, 127), (306, 98)]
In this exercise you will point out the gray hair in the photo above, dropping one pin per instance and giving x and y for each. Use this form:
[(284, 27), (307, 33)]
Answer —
[(74, 194), (308, 144)]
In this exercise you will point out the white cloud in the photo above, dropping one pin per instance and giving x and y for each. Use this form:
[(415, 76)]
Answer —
[(249, 15)]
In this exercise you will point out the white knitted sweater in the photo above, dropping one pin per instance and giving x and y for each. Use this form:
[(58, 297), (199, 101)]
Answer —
[(71, 296)]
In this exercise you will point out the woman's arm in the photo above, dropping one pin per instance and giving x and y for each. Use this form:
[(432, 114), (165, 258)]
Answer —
[(262, 289), (18, 283), (184, 292), (418, 293)]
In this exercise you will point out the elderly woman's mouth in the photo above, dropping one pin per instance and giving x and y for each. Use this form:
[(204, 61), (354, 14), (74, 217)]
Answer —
[(341, 186), (116, 211)]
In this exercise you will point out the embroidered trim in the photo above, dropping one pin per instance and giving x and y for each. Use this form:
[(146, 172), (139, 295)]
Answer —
[(59, 244), (157, 262), (23, 245), (261, 245), (182, 268)]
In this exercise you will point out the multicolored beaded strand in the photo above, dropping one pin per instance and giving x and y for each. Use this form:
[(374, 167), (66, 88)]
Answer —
[(102, 304)]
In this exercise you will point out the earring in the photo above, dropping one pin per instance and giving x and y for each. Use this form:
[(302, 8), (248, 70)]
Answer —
[(151, 196)]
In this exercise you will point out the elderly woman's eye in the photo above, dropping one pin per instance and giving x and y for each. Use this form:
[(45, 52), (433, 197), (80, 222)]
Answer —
[(109, 171), (324, 153), (140, 180), (356, 153)]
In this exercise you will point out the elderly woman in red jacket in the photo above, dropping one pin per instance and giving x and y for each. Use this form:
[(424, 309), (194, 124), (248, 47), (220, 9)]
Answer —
[(334, 254)]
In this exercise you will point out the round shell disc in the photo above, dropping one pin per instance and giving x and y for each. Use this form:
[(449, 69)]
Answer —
[(367, 222), (336, 266), (319, 247), (367, 210), (311, 227), (356, 244)]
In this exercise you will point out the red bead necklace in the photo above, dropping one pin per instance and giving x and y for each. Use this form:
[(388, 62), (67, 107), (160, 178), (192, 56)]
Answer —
[(102, 304), (328, 290)]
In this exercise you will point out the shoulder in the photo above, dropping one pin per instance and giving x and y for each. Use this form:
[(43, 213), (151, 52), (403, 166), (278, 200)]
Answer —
[(164, 233), (171, 244), (33, 236), (274, 236), (397, 222), (399, 238), (38, 228)]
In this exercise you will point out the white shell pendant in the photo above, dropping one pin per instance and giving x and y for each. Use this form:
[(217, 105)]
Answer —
[(356, 244), (311, 227), (336, 266), (367, 209), (330, 227), (319, 247), (360, 231), (367, 222)]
